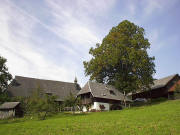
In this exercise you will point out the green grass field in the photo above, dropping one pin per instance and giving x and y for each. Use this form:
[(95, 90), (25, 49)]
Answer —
[(158, 119)]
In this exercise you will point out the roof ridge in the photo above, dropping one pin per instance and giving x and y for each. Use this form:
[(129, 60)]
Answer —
[(42, 79), (167, 76)]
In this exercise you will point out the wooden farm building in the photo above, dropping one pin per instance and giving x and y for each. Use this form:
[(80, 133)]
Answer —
[(96, 94), (162, 88), (10, 109), (24, 87)]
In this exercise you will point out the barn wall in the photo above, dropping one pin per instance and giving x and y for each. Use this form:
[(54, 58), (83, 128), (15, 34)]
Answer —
[(7, 113), (172, 87), (155, 93)]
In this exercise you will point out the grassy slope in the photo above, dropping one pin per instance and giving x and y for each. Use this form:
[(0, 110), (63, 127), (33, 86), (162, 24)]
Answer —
[(159, 119)]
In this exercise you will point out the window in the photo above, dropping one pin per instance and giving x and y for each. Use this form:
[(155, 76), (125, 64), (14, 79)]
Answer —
[(49, 94), (112, 92), (15, 83)]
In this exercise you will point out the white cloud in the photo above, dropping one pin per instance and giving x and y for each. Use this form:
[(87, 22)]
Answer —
[(73, 23), (158, 41), (156, 6), (78, 30), (23, 58)]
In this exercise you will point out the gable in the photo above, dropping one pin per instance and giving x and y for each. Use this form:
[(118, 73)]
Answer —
[(163, 81), (172, 84)]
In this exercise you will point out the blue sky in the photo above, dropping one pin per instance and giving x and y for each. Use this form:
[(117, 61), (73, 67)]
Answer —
[(50, 39)]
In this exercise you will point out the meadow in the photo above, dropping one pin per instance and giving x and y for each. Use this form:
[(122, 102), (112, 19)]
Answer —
[(158, 119)]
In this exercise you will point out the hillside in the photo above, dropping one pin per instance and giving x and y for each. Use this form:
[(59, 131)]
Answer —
[(159, 119)]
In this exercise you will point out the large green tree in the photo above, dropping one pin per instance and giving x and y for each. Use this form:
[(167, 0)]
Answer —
[(5, 78), (122, 59)]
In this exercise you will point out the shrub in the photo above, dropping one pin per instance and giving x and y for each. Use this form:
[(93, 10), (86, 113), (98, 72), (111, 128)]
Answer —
[(24, 103), (79, 104), (161, 99), (41, 104), (70, 102), (116, 107), (102, 107), (88, 107)]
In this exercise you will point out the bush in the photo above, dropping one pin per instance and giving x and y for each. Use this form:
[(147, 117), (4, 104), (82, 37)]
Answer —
[(24, 103), (88, 107), (161, 99), (116, 107), (93, 110), (41, 104), (4, 97), (102, 107)]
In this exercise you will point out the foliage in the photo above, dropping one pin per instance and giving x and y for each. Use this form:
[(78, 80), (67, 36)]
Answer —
[(116, 107), (122, 59), (102, 107), (87, 107), (41, 104), (159, 119), (150, 101), (70, 101), (79, 104), (24, 103), (93, 110), (4, 97), (5, 78)]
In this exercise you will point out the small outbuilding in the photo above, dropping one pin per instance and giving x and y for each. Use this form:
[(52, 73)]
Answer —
[(10, 109)]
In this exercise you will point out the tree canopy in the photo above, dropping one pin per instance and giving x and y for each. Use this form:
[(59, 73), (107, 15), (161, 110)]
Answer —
[(41, 103), (5, 76), (122, 59)]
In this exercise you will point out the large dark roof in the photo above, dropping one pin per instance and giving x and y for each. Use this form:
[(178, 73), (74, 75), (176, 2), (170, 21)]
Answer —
[(100, 90), (24, 86), (162, 82), (9, 105)]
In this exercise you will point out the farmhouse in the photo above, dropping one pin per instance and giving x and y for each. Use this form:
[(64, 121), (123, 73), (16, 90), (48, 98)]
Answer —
[(10, 109), (98, 94), (162, 88), (24, 87)]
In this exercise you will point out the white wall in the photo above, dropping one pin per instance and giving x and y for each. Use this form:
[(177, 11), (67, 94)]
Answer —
[(96, 105), (84, 109)]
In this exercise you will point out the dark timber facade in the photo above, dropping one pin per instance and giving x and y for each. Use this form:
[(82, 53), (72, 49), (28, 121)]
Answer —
[(162, 88)]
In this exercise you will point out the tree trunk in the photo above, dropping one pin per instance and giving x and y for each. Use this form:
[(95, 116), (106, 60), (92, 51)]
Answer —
[(73, 109), (124, 99)]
